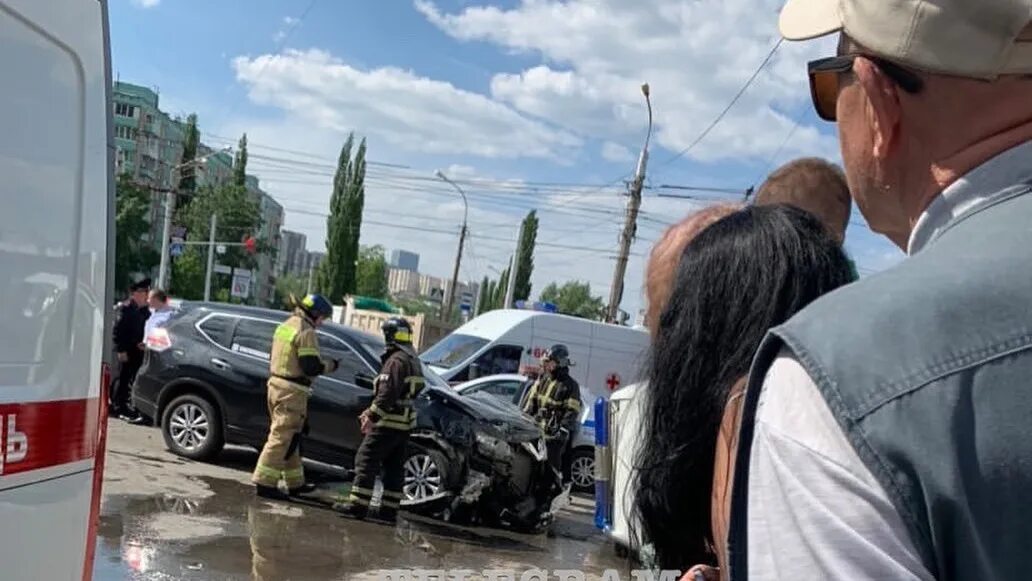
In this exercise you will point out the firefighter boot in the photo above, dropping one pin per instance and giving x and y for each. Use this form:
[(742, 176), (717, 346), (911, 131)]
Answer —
[(270, 492), (351, 510), (307, 488)]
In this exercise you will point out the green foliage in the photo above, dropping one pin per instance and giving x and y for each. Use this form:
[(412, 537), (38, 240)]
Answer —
[(191, 140), (133, 254), (238, 215), (289, 285), (338, 276), (483, 301), (526, 257), (372, 272), (575, 299), (240, 163)]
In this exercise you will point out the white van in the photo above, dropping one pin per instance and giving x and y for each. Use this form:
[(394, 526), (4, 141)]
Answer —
[(56, 264), (605, 356)]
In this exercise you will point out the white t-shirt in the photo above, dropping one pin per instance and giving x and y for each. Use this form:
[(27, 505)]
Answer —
[(815, 510)]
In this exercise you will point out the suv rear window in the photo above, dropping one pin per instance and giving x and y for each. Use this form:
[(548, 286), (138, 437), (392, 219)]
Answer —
[(216, 328)]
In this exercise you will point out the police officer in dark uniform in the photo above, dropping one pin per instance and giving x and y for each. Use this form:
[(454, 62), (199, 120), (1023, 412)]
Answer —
[(554, 401), (130, 319), (386, 426)]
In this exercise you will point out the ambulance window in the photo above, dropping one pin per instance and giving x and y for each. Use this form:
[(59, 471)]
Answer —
[(253, 338), (500, 359)]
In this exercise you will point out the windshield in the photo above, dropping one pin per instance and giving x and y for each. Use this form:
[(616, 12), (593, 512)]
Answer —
[(373, 348), (452, 350)]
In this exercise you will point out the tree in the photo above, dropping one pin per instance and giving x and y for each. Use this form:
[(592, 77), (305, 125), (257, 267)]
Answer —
[(188, 175), (483, 301), (289, 285), (240, 163), (372, 272), (337, 276), (526, 257), (498, 298), (133, 254), (238, 215), (575, 299)]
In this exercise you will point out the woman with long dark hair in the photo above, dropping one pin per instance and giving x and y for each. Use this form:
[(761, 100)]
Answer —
[(741, 276)]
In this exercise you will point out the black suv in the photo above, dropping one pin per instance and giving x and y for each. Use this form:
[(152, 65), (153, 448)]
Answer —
[(204, 378)]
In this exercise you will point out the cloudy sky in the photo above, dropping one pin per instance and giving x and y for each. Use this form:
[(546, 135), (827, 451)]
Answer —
[(527, 104)]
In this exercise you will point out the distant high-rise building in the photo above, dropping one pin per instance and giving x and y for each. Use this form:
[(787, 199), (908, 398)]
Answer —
[(404, 260), (293, 254)]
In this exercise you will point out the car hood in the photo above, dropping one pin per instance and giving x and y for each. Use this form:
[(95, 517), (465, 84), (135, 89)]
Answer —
[(504, 417)]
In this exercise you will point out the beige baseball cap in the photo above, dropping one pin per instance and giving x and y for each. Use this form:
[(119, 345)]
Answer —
[(970, 38)]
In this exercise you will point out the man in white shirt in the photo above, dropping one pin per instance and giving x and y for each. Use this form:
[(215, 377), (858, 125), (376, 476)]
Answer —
[(886, 432)]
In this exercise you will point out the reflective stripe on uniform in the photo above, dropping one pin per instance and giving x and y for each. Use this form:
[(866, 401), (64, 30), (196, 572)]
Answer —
[(307, 351), (574, 404), (295, 473), (391, 504), (358, 490), (392, 494), (267, 471)]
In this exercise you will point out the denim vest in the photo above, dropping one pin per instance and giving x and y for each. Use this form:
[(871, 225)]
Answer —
[(928, 369)]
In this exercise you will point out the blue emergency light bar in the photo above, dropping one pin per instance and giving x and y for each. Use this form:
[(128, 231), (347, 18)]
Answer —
[(603, 465)]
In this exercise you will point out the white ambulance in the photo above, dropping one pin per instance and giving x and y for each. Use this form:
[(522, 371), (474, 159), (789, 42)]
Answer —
[(56, 256), (512, 341)]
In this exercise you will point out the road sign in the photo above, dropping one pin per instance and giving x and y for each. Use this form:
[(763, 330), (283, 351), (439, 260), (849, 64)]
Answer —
[(466, 301), (176, 247), (242, 272), (221, 249), (223, 269), (613, 381), (241, 286)]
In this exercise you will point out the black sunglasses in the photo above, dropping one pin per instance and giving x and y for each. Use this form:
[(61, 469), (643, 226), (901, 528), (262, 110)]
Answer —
[(825, 75)]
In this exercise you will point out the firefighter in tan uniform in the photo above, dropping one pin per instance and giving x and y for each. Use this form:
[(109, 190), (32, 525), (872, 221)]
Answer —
[(294, 363), (386, 425), (554, 401)]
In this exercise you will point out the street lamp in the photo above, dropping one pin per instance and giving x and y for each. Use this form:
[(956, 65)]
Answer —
[(462, 240), (170, 207)]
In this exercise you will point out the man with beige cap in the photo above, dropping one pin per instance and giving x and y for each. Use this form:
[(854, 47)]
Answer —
[(887, 430)]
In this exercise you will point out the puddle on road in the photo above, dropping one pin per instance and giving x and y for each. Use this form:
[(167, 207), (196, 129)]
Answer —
[(231, 535)]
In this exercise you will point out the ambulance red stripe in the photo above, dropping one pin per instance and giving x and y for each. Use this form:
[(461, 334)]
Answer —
[(53, 432)]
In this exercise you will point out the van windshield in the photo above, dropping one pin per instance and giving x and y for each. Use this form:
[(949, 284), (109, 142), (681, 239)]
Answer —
[(452, 350)]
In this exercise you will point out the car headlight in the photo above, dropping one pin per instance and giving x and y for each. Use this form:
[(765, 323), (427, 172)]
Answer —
[(492, 447)]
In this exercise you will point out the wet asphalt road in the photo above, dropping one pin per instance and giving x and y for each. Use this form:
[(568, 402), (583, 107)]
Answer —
[(165, 517)]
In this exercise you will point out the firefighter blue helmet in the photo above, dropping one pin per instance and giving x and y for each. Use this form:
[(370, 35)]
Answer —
[(317, 306), (397, 330)]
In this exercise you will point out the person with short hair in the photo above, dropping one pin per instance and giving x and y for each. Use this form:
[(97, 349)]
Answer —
[(130, 322), (160, 311), (885, 431), (812, 184)]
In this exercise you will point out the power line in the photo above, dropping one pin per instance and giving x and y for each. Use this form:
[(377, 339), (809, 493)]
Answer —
[(731, 104)]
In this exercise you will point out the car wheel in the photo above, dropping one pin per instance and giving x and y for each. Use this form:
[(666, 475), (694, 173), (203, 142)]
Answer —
[(582, 470), (192, 428), (426, 473)]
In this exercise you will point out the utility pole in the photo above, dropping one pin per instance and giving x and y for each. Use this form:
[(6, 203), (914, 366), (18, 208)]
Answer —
[(630, 221), (446, 310), (211, 259), (166, 234), (166, 227), (514, 268)]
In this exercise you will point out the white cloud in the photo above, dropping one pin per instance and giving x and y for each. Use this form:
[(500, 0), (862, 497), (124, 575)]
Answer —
[(291, 21), (696, 54), (616, 153), (409, 112), (146, 3)]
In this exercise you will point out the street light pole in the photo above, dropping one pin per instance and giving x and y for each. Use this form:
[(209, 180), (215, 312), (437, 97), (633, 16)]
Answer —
[(166, 227), (630, 222), (211, 259), (446, 311)]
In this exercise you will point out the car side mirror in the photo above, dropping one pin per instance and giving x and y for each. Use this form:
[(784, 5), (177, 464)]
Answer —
[(475, 371), (364, 380)]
